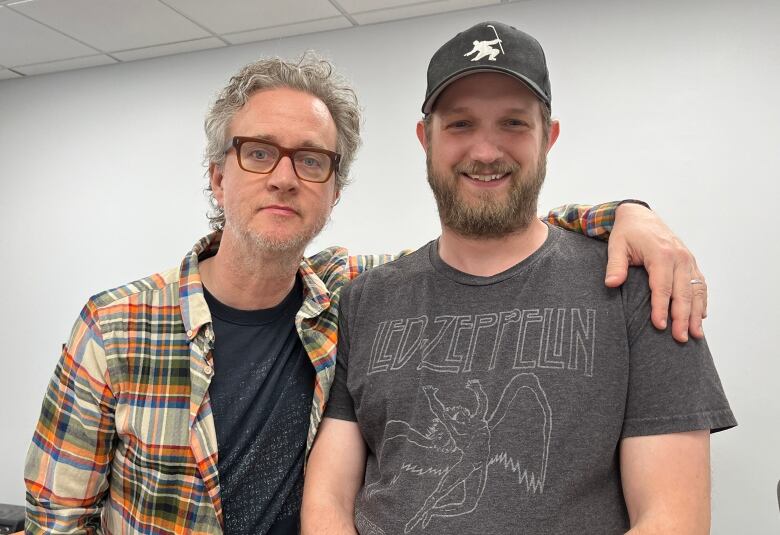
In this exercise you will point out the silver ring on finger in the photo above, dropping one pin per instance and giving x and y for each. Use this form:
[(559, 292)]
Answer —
[(697, 281)]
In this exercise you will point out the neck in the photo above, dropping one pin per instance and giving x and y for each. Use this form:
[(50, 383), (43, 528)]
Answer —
[(485, 257), (246, 278)]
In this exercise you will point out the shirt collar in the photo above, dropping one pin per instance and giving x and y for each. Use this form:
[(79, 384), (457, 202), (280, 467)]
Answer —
[(316, 297), (194, 310)]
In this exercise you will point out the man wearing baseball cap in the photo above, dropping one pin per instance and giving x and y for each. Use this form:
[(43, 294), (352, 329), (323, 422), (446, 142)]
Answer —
[(489, 382)]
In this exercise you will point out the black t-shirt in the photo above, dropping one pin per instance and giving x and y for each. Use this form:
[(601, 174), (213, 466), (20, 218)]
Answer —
[(261, 396)]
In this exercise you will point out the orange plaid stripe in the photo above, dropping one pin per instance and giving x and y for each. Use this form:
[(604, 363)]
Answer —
[(125, 442), (593, 221)]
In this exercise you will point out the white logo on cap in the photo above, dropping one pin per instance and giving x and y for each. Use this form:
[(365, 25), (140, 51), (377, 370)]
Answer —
[(485, 48)]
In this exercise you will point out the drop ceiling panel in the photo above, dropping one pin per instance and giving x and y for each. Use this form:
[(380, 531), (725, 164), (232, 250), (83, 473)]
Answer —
[(359, 6), (25, 41), (111, 25), (5, 74), (409, 10), (39, 36), (65, 65), (291, 29), (167, 50), (231, 16)]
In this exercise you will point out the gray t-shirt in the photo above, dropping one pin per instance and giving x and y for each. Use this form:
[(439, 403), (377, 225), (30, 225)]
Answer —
[(497, 404)]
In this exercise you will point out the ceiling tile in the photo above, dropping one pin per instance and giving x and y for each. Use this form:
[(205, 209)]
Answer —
[(360, 6), (231, 16), (24, 41), (288, 30), (167, 50), (5, 74), (114, 24), (416, 10), (65, 65)]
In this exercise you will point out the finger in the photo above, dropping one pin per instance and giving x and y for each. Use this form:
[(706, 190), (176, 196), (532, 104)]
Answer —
[(617, 262), (661, 283), (682, 296), (705, 294), (698, 308), (701, 293)]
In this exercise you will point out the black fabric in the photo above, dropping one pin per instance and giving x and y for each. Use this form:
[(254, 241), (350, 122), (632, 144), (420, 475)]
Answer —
[(261, 396), (11, 518), (489, 47)]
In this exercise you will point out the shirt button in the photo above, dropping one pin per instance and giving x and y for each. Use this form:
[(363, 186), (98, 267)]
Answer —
[(207, 370)]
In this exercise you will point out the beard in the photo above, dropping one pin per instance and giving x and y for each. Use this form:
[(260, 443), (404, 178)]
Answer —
[(268, 242), (491, 216)]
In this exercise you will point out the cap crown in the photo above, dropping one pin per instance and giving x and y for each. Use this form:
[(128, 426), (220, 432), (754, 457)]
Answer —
[(489, 47)]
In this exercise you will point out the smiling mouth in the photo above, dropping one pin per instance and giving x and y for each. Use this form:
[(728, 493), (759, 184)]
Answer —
[(486, 178)]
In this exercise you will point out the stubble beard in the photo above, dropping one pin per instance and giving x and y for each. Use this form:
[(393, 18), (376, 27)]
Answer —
[(285, 250), (491, 216)]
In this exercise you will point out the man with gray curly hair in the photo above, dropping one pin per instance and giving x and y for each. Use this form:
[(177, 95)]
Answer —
[(187, 401)]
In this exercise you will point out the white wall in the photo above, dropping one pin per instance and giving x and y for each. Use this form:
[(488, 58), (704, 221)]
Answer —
[(672, 102)]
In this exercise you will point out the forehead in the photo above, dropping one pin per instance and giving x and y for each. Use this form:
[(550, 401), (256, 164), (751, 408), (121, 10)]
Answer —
[(287, 116), (483, 89)]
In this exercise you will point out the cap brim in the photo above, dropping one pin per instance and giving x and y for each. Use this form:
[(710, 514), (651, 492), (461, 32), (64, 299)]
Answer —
[(428, 104)]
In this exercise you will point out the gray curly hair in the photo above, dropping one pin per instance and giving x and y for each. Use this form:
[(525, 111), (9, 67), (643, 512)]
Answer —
[(311, 74)]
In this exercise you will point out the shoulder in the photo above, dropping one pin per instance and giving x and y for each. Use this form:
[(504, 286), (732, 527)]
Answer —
[(399, 268), (587, 259), (110, 318), (573, 261), (159, 289), (577, 245), (395, 273), (335, 266), (635, 293)]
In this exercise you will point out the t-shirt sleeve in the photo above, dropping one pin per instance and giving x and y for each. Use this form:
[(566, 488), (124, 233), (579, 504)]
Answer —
[(672, 387), (340, 403)]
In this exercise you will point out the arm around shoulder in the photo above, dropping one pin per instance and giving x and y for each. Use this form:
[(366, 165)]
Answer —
[(334, 475), (666, 482)]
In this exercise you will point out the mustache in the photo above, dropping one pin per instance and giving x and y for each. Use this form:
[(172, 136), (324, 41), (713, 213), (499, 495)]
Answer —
[(494, 168)]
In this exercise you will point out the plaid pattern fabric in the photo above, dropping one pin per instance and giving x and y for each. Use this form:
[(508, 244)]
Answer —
[(594, 221), (126, 426), (126, 442)]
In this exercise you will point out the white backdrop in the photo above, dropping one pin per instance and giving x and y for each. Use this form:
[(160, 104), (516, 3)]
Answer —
[(668, 101)]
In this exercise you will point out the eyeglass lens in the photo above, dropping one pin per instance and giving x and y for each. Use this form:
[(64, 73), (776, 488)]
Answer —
[(261, 158)]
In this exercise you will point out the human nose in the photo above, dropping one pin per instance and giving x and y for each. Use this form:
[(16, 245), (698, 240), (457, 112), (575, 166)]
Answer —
[(486, 149), (283, 177)]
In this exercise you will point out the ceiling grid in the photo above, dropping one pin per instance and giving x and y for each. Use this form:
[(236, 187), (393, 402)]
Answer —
[(41, 36)]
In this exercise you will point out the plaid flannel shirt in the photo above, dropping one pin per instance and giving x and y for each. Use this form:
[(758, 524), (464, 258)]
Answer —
[(126, 442)]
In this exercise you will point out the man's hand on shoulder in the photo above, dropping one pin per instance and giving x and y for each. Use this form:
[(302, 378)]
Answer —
[(640, 237)]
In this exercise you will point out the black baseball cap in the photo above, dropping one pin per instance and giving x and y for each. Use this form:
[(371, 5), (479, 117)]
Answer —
[(489, 47)]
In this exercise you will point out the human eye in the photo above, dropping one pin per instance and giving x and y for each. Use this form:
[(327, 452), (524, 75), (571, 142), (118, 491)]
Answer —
[(259, 154), (310, 160), (459, 124), (515, 123)]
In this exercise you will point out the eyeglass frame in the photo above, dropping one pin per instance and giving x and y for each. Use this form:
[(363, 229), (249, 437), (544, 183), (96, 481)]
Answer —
[(238, 141)]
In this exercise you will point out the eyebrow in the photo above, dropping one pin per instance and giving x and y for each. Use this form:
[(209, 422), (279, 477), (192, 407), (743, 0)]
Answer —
[(307, 143)]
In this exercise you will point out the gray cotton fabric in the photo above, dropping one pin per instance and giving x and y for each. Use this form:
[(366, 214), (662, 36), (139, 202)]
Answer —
[(497, 404)]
